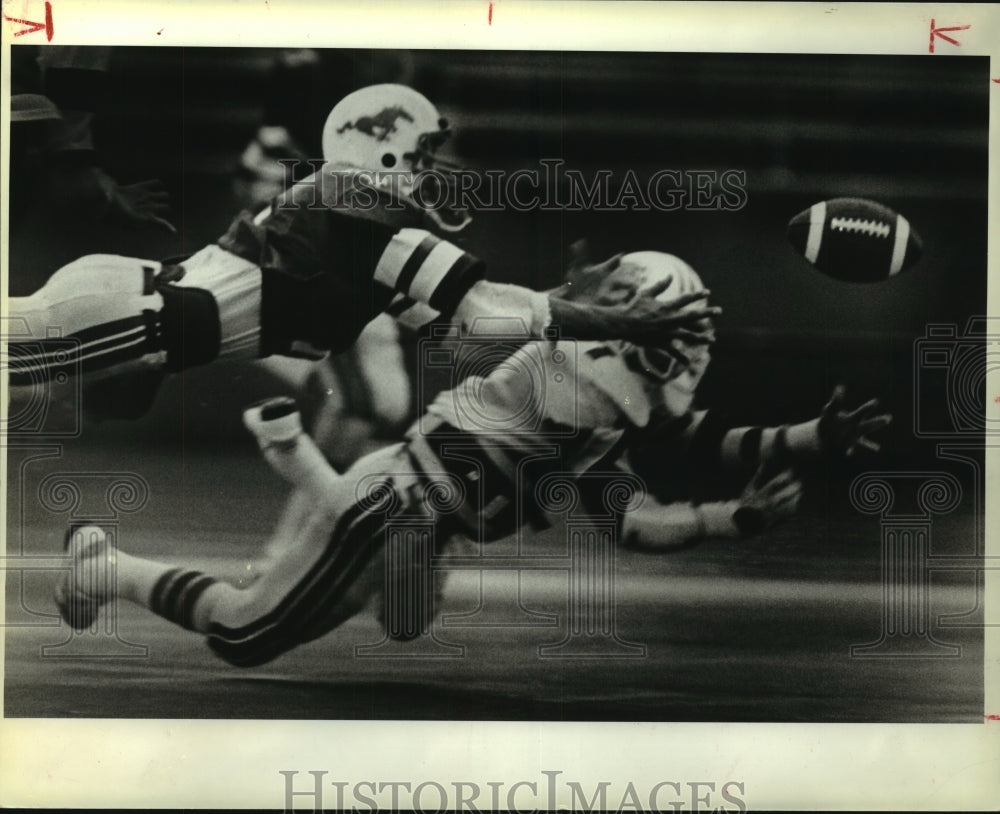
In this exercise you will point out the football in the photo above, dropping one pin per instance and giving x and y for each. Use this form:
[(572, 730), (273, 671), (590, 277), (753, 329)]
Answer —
[(854, 239)]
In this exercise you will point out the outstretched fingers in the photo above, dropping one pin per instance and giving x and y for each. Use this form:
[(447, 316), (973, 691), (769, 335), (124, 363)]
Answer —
[(703, 337), (763, 482), (780, 482), (869, 425), (865, 409), (789, 491), (864, 443), (679, 355), (789, 504), (655, 290), (687, 318), (606, 267)]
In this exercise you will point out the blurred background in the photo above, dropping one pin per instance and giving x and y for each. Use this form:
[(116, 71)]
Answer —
[(910, 132)]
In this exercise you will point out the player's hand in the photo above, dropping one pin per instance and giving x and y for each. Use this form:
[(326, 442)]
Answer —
[(583, 278), (659, 321), (767, 501), (141, 203), (843, 432), (650, 322)]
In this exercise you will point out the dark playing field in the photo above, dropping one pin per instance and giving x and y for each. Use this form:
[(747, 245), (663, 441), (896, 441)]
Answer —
[(755, 631)]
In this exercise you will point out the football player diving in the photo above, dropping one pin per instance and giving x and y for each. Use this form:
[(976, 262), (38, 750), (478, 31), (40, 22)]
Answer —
[(305, 275), (628, 404)]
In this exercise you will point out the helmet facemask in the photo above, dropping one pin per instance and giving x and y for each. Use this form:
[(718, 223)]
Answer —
[(437, 180), (671, 382)]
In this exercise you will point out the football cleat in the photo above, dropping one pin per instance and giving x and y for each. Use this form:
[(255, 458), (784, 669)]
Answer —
[(81, 591)]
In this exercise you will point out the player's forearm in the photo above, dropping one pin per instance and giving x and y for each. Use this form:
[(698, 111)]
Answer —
[(490, 301), (589, 322), (743, 449), (537, 310), (659, 527), (803, 440)]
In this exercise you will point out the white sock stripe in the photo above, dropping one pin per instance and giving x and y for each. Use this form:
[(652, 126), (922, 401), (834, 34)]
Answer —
[(434, 269), (899, 247), (817, 219)]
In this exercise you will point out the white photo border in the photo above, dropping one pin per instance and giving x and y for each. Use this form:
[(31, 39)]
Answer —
[(178, 763)]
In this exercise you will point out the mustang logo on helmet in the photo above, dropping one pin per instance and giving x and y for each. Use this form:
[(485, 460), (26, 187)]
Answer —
[(402, 137), (380, 125)]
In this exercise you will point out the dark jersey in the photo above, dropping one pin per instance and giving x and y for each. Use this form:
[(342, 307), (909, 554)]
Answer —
[(334, 254)]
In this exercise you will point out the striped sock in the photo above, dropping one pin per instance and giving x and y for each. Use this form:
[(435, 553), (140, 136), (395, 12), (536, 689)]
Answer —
[(176, 593)]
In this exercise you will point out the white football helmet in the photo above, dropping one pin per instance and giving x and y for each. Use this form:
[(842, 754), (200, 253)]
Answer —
[(394, 129), (639, 272)]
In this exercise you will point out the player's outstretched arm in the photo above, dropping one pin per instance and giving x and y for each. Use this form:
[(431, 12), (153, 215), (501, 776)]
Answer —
[(765, 502), (838, 431), (586, 307), (644, 321)]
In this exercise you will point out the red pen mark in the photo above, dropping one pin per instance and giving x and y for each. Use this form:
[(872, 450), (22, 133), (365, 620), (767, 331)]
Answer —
[(33, 26), (997, 399), (997, 81), (936, 32), (993, 717), (490, 16), (159, 32)]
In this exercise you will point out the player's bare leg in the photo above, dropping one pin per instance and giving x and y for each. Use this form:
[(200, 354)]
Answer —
[(288, 530), (327, 572), (245, 626)]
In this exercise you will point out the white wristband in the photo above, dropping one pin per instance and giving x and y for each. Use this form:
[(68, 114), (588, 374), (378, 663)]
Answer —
[(717, 519), (803, 439)]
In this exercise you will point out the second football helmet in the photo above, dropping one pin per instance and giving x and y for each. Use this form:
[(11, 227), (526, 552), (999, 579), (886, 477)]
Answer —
[(636, 273)]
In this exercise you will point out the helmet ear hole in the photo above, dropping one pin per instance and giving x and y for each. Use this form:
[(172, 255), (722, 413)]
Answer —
[(388, 160)]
